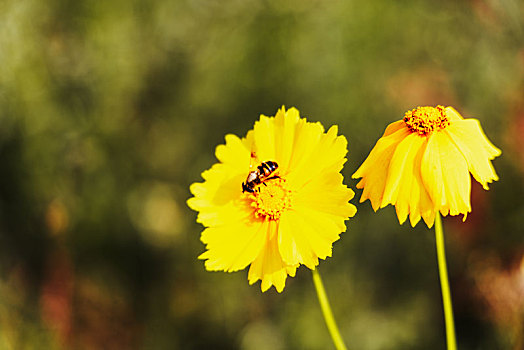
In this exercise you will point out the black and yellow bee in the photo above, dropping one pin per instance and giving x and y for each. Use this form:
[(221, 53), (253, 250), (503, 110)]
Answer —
[(262, 173)]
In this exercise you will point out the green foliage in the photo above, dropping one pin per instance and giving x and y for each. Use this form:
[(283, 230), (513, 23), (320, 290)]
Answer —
[(110, 109)]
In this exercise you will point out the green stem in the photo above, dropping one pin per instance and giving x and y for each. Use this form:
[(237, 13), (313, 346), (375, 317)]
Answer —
[(326, 311), (444, 285)]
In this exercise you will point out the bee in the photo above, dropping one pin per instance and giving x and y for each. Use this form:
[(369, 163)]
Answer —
[(261, 174)]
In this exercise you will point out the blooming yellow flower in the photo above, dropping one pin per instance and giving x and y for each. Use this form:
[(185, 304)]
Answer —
[(292, 217), (421, 165)]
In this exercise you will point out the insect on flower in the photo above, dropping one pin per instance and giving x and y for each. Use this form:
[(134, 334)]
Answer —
[(260, 175), (292, 219)]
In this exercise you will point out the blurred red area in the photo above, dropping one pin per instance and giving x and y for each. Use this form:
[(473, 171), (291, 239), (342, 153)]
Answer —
[(83, 313), (502, 289), (56, 297), (421, 86)]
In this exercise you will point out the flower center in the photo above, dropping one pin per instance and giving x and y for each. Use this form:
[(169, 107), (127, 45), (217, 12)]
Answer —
[(271, 199), (425, 120)]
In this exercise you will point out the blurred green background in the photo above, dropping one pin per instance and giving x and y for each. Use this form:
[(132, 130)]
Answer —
[(109, 110)]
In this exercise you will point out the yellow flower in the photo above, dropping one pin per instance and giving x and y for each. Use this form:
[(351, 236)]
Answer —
[(293, 215), (421, 165)]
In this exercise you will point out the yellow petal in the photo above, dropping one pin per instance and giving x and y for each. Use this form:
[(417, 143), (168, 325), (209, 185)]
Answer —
[(421, 204), (306, 139), (404, 187), (299, 242), (431, 172), (400, 175), (328, 226), (286, 123), (445, 175), (457, 181), (232, 247), (452, 114), (316, 220), (476, 149), (269, 266), (326, 154), (374, 170), (477, 131), (304, 239), (264, 139), (234, 153), (394, 127), (327, 194), (219, 199), (293, 241)]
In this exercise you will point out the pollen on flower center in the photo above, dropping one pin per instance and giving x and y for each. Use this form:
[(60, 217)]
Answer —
[(425, 120), (271, 199)]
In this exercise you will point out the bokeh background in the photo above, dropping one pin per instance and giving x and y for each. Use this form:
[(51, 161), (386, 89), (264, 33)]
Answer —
[(109, 110)]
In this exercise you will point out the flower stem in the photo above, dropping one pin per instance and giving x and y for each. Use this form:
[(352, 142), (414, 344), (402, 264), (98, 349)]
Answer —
[(444, 285), (326, 311)]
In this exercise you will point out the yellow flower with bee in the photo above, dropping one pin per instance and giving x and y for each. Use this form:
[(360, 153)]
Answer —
[(275, 200)]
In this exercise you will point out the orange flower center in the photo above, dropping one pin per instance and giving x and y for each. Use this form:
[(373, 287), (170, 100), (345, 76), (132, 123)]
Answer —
[(425, 120), (271, 199)]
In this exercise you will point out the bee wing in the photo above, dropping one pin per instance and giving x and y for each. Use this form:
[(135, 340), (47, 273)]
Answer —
[(254, 161)]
